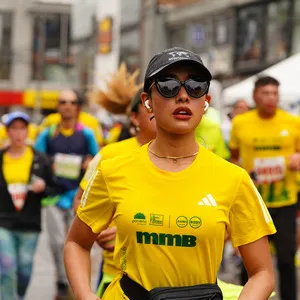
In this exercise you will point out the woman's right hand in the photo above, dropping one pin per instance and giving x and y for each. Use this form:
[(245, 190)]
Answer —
[(106, 239)]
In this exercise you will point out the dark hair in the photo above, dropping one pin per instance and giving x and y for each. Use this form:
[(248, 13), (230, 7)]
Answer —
[(136, 101), (80, 96), (265, 80)]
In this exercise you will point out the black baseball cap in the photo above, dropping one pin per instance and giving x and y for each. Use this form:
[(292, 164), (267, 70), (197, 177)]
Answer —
[(170, 57)]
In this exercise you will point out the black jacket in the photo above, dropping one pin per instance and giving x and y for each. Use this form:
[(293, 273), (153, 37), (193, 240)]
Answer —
[(29, 218)]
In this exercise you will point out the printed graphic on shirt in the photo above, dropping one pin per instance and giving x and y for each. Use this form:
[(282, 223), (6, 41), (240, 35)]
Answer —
[(166, 239)]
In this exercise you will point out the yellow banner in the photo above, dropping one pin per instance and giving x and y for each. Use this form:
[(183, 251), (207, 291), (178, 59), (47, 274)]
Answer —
[(48, 99)]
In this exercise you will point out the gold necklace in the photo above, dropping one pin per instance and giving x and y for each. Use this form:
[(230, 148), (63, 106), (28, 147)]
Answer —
[(174, 158)]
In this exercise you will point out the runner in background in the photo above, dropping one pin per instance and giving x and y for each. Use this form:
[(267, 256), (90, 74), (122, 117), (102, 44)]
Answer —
[(25, 178), (209, 135), (266, 141), (83, 117), (71, 146), (115, 98), (145, 132), (239, 107), (4, 139)]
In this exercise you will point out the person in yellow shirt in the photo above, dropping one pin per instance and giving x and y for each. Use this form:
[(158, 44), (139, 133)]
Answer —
[(32, 134), (209, 134), (115, 98), (172, 201), (25, 178), (265, 141), (84, 118), (145, 132)]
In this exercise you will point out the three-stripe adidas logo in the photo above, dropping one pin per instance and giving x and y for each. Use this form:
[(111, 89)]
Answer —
[(208, 201)]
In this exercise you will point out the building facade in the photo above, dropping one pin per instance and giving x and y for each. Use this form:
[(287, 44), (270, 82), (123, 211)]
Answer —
[(50, 45), (235, 38)]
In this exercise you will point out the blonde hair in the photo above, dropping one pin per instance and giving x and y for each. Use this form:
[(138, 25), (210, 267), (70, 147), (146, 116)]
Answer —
[(121, 87)]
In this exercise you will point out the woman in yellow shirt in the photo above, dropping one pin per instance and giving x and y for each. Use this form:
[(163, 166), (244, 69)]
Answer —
[(25, 178), (172, 201)]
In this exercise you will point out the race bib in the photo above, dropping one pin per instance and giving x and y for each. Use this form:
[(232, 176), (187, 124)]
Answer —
[(270, 169), (67, 165), (18, 192)]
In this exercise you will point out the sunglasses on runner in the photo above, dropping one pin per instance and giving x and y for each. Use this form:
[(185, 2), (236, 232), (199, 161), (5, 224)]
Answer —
[(63, 102), (169, 87)]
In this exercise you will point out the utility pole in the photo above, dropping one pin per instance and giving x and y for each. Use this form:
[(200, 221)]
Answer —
[(40, 68), (147, 33)]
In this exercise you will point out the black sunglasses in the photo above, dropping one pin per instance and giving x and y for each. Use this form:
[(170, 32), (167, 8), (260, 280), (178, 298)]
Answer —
[(62, 101), (169, 87)]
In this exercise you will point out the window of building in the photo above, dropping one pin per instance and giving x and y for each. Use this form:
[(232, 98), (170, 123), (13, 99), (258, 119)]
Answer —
[(278, 31), (249, 39), (130, 49), (200, 35), (52, 57), (178, 37), (5, 45), (264, 34), (221, 27)]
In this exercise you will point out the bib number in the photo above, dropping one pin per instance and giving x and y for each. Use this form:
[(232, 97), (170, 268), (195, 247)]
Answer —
[(269, 170), (18, 192), (67, 165)]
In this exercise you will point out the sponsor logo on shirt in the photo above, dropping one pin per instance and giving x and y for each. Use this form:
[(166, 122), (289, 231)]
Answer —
[(208, 201), (195, 222), (156, 220), (165, 239), (182, 221), (284, 132), (267, 148), (139, 219)]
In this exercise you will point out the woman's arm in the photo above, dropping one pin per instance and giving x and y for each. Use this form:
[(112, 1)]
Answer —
[(77, 199), (77, 259), (257, 260)]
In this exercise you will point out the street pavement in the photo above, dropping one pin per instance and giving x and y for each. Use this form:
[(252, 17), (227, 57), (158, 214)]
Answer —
[(42, 285)]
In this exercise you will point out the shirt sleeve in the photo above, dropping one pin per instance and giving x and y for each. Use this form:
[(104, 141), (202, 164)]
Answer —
[(249, 218), (90, 170), (96, 208), (92, 143), (234, 140), (41, 142)]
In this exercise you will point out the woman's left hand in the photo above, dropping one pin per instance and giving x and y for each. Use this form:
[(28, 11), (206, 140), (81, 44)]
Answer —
[(38, 186)]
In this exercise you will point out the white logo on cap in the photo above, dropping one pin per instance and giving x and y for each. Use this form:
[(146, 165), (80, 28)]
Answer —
[(178, 55)]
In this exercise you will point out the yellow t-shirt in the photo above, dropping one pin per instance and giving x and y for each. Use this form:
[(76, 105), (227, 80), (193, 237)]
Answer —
[(17, 182), (109, 151), (32, 134), (264, 146), (84, 118), (209, 135), (171, 225)]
